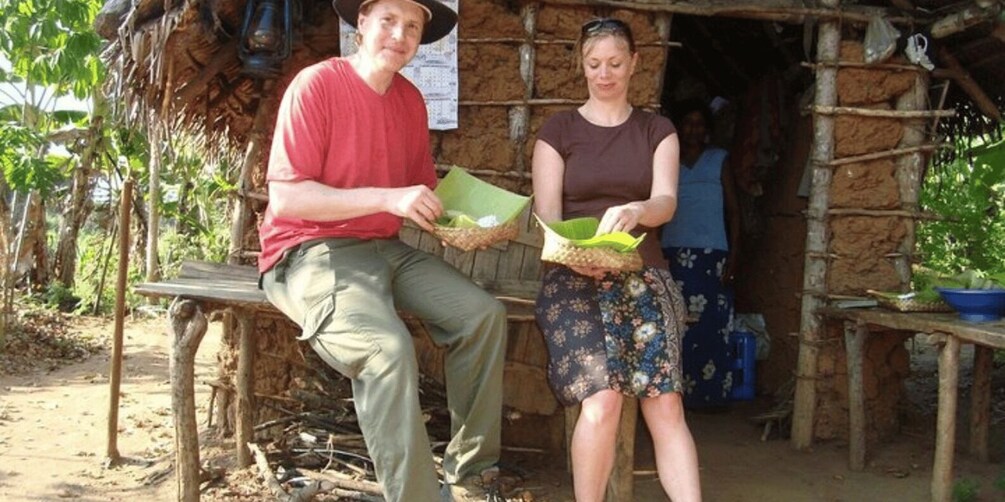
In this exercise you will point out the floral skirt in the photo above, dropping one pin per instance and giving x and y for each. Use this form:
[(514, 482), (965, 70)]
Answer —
[(622, 332), (708, 373)]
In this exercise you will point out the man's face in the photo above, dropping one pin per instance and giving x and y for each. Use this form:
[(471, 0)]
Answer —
[(391, 31)]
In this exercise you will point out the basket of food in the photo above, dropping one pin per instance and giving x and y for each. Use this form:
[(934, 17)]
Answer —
[(575, 243), (911, 301), (476, 213)]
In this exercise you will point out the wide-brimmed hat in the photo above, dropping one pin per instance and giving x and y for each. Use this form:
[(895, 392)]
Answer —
[(441, 21)]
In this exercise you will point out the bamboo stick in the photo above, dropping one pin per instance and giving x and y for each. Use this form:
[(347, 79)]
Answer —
[(112, 456), (868, 66), (883, 213), (815, 268), (554, 41), (537, 102), (888, 153), (870, 112)]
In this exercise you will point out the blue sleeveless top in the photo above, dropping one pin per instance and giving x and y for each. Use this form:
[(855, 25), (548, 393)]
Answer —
[(700, 220)]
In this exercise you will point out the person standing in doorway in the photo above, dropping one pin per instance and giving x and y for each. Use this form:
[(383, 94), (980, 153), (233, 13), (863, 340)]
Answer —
[(702, 243)]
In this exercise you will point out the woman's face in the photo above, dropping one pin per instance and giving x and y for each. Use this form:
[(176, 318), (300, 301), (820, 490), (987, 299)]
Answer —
[(692, 129), (608, 66)]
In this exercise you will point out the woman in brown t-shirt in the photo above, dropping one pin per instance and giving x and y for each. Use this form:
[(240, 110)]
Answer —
[(612, 334)]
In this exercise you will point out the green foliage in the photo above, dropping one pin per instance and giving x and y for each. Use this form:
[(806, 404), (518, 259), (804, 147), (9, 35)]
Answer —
[(52, 43), (1000, 481), (61, 297), (970, 195), (22, 167), (966, 490)]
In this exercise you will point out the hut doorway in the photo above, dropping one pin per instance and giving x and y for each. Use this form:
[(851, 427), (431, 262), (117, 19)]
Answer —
[(751, 74)]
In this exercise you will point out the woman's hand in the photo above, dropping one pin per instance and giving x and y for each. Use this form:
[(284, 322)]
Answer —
[(621, 218)]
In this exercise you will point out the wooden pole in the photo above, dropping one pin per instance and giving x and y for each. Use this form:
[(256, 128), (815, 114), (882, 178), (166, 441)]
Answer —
[(815, 267), (189, 325), (112, 456), (854, 340), (945, 429), (245, 385), (250, 165), (156, 131), (909, 172), (980, 402), (791, 11)]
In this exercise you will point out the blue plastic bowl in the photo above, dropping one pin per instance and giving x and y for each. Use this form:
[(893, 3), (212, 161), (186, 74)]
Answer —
[(975, 305)]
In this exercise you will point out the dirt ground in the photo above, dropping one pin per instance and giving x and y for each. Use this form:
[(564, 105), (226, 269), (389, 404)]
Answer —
[(53, 440)]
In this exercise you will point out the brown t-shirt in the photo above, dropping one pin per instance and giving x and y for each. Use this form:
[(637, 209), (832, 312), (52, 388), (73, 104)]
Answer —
[(608, 166)]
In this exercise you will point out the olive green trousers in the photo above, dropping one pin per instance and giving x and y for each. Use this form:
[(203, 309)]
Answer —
[(345, 294)]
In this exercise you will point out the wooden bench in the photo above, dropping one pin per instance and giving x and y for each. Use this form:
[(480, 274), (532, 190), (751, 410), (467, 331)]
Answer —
[(946, 331), (202, 288)]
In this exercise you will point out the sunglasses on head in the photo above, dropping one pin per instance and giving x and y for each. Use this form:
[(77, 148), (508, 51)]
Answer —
[(598, 25)]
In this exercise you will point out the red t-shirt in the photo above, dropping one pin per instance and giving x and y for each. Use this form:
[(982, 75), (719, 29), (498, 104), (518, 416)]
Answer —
[(334, 129)]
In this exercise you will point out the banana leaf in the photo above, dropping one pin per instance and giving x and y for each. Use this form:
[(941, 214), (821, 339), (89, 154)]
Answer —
[(471, 202), (582, 232)]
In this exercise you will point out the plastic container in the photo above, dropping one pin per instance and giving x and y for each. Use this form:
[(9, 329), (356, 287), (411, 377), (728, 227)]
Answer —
[(744, 348), (975, 305)]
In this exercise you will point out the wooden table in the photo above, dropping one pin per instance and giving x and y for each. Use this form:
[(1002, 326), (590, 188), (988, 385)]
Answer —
[(947, 331)]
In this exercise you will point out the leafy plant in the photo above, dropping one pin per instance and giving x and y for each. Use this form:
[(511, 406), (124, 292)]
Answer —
[(966, 490)]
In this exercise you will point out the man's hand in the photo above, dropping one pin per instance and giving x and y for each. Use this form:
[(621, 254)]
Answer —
[(417, 203)]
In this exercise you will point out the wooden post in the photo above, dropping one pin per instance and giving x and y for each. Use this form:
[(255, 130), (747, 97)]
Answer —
[(251, 162), (245, 386), (621, 486), (945, 429), (854, 340), (980, 402), (909, 171), (815, 263), (189, 326), (115, 375)]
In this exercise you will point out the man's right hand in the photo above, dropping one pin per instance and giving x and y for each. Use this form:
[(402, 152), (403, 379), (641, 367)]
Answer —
[(417, 203)]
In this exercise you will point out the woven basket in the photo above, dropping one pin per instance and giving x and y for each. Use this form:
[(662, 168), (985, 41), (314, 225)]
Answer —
[(467, 239), (909, 304), (557, 249)]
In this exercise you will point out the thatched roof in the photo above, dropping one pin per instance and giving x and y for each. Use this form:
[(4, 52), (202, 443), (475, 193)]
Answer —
[(179, 59)]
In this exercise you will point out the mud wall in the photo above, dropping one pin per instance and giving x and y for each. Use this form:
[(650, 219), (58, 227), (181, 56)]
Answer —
[(863, 247)]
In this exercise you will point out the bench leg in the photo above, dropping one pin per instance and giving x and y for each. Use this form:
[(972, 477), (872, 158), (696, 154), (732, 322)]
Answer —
[(945, 430), (245, 386), (854, 341), (980, 402), (189, 326)]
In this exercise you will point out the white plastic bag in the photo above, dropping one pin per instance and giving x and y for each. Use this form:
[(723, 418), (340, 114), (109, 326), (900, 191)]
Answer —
[(880, 40)]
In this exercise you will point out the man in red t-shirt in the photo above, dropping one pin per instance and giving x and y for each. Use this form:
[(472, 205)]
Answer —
[(350, 158)]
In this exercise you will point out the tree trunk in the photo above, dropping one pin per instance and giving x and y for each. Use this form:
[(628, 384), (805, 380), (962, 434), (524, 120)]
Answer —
[(80, 205)]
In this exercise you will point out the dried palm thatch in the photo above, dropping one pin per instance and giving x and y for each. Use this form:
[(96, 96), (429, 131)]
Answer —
[(178, 62)]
